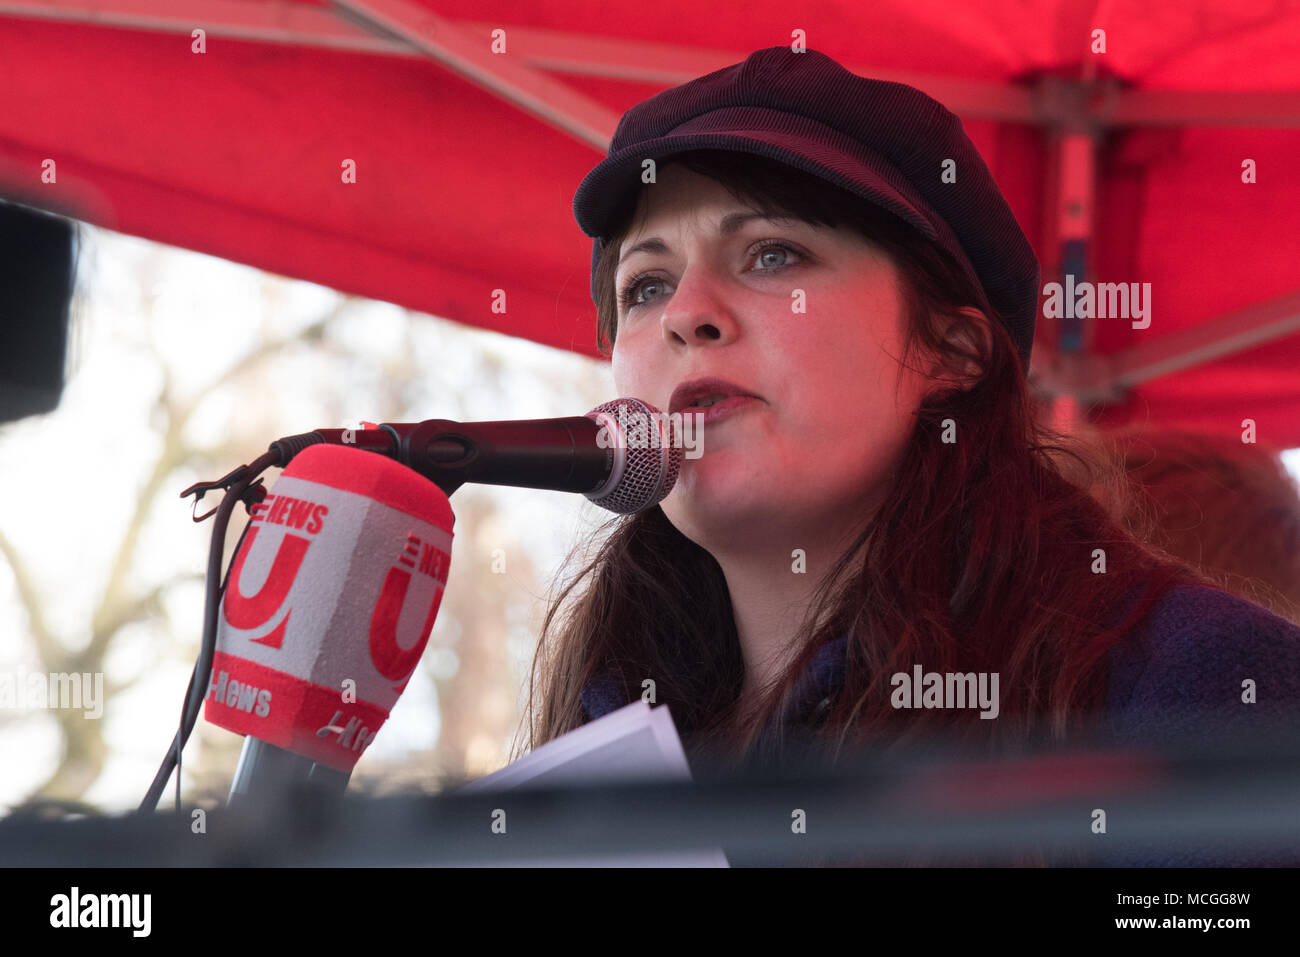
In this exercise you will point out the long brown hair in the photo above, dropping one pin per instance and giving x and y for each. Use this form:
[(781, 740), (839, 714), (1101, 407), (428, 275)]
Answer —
[(981, 558)]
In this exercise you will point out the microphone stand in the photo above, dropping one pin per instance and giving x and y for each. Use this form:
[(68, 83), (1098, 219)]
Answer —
[(268, 774)]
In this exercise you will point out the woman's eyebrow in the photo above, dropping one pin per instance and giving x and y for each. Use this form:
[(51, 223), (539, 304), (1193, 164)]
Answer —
[(730, 224)]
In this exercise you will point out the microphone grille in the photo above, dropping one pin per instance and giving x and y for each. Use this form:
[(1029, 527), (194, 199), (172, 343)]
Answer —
[(644, 472)]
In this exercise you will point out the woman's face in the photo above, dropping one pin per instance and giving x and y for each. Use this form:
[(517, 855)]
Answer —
[(718, 298)]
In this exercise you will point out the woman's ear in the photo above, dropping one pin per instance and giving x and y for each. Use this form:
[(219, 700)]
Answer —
[(970, 344)]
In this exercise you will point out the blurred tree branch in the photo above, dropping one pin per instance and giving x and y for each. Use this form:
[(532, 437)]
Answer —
[(47, 646), (84, 748)]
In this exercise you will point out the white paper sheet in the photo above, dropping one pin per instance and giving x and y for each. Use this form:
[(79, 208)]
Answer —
[(636, 741)]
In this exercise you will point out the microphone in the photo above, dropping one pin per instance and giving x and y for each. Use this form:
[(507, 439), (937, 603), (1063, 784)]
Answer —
[(623, 455), (327, 610)]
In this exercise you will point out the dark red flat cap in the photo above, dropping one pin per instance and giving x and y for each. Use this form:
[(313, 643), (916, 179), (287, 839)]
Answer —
[(886, 142)]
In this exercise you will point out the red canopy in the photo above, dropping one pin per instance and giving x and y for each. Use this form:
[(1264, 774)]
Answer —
[(1123, 166)]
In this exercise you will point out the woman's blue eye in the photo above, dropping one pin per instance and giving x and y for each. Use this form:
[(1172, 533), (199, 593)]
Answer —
[(772, 250), (629, 295), (629, 298)]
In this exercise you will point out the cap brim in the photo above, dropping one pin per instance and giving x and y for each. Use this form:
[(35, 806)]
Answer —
[(797, 141)]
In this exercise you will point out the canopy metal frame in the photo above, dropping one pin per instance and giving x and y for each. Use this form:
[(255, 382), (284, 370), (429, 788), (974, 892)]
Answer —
[(1073, 114)]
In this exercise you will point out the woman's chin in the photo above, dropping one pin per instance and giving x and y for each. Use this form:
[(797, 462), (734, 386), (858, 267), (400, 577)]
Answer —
[(710, 504)]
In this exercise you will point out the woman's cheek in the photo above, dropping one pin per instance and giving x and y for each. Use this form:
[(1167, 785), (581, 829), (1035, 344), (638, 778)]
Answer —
[(624, 367)]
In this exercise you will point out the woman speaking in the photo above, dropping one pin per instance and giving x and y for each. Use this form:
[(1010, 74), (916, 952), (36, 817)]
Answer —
[(821, 266)]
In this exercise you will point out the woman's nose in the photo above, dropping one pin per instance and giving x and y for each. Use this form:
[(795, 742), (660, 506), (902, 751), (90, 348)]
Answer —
[(698, 312)]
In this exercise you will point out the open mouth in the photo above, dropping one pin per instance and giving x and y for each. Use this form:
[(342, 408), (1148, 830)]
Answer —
[(721, 408), (707, 395)]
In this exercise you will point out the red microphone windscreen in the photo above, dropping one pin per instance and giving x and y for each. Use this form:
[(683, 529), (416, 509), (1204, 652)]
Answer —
[(329, 603)]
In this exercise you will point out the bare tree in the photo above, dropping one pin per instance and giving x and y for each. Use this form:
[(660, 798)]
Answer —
[(478, 703), (84, 749)]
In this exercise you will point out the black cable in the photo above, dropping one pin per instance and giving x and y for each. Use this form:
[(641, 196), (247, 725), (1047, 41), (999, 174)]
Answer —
[(189, 688), (216, 584)]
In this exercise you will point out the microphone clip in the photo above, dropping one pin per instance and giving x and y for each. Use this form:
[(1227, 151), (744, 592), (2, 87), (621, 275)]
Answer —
[(250, 496)]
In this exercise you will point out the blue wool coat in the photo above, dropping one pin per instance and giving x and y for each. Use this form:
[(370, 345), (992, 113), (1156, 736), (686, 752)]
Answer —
[(1177, 678)]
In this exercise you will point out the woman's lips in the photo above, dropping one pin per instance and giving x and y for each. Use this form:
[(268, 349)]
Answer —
[(710, 414)]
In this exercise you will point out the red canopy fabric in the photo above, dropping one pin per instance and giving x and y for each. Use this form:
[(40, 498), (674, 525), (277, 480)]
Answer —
[(467, 160)]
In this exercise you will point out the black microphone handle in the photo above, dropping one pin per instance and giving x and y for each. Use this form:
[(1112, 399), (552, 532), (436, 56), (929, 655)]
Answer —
[(559, 455)]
